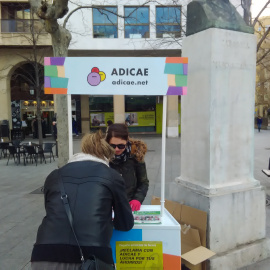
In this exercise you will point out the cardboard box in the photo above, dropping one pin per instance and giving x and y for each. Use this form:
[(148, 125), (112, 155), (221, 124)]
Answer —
[(193, 233)]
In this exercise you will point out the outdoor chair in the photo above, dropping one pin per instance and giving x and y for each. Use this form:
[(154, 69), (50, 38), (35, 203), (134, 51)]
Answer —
[(16, 143), (41, 154), (48, 148), (19, 148), (3, 149), (30, 153), (12, 151)]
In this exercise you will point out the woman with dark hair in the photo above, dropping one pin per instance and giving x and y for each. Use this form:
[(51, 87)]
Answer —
[(93, 190), (129, 162)]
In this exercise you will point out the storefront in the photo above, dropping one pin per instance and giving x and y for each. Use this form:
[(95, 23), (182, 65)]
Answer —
[(139, 112), (27, 111)]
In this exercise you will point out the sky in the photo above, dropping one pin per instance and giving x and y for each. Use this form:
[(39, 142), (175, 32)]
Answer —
[(256, 7)]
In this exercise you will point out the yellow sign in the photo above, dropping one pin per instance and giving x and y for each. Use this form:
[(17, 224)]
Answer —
[(100, 119), (147, 255), (140, 119)]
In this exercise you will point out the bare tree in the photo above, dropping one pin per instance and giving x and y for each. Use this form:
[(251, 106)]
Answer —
[(31, 71)]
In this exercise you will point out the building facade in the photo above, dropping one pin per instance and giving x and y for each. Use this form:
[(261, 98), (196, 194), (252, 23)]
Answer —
[(117, 29)]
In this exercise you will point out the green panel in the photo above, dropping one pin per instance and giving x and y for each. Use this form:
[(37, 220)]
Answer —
[(174, 68), (50, 71), (181, 80), (59, 82), (159, 109)]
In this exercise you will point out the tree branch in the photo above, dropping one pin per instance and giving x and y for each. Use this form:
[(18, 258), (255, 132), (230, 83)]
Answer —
[(259, 14)]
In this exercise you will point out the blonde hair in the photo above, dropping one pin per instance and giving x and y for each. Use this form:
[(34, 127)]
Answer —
[(94, 144)]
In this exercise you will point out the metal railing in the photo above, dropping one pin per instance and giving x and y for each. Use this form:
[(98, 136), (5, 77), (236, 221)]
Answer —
[(21, 26)]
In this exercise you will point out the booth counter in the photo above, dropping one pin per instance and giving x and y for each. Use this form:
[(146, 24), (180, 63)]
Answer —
[(135, 246)]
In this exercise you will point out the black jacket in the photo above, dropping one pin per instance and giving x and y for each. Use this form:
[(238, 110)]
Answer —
[(135, 176), (93, 189)]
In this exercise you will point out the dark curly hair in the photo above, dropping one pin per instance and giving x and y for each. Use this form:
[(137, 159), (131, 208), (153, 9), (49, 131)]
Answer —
[(117, 130)]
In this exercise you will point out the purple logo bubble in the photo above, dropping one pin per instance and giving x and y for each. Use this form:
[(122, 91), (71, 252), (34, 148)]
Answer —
[(96, 76), (93, 79)]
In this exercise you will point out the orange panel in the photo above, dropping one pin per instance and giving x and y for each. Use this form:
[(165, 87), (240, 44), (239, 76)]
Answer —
[(47, 90), (55, 90), (177, 60), (59, 90), (171, 262)]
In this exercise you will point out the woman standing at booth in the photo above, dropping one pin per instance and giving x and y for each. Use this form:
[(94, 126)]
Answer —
[(129, 162), (93, 191)]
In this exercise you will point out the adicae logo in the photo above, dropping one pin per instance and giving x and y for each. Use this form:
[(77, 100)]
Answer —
[(95, 77)]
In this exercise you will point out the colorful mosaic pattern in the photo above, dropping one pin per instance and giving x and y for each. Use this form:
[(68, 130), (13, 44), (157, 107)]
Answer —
[(176, 68), (54, 71)]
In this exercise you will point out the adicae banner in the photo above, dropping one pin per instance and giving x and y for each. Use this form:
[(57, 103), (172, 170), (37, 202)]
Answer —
[(116, 75)]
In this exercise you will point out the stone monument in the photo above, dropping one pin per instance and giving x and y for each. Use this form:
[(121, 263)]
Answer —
[(217, 137), (205, 14)]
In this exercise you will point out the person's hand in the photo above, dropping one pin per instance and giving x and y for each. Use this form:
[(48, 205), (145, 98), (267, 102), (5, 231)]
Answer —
[(135, 205)]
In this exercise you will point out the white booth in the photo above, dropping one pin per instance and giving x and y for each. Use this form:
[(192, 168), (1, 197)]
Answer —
[(154, 242)]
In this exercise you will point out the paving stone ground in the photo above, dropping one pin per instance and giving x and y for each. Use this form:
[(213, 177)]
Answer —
[(22, 206)]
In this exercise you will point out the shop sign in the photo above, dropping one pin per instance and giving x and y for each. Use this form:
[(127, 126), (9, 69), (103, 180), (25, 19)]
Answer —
[(100, 119), (139, 255), (115, 75), (140, 119)]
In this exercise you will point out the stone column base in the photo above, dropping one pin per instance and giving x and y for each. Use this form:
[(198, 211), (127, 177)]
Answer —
[(236, 223), (241, 256)]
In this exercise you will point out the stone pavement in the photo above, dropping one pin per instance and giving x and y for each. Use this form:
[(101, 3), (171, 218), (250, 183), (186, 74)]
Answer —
[(22, 206)]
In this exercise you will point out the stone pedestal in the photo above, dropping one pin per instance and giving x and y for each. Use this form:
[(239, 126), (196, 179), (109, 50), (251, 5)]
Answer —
[(217, 146)]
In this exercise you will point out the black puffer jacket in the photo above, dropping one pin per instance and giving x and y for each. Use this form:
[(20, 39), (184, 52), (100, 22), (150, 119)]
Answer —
[(93, 189), (133, 170)]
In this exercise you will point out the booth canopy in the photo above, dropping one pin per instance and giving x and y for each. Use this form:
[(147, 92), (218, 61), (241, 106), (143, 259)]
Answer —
[(116, 75)]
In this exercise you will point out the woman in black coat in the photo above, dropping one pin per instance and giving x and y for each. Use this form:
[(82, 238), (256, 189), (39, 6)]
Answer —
[(94, 190), (129, 162)]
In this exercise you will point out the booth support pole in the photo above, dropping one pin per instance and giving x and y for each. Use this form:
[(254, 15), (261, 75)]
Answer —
[(70, 137), (163, 153)]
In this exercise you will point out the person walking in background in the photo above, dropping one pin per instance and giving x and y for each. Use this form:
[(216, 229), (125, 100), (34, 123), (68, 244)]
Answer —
[(129, 162), (54, 126), (94, 190), (74, 126), (34, 127), (43, 126), (259, 123)]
